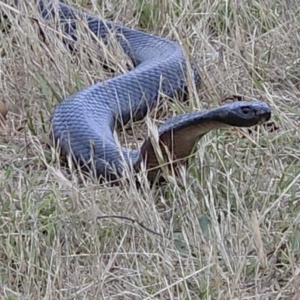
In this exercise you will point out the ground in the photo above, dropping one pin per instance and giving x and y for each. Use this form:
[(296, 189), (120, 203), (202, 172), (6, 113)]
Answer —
[(227, 228)]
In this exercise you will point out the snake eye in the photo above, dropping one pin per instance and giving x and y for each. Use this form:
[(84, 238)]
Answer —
[(246, 109)]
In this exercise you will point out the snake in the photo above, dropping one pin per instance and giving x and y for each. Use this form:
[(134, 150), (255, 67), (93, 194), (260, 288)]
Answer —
[(83, 124)]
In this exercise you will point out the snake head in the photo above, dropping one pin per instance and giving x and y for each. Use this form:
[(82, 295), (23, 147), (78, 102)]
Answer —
[(244, 113)]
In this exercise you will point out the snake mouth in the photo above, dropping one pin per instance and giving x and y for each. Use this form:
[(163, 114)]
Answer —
[(263, 118), (263, 115)]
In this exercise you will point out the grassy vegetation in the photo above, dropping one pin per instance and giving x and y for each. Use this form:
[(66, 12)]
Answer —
[(227, 229)]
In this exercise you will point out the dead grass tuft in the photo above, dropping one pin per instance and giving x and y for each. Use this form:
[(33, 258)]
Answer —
[(229, 229)]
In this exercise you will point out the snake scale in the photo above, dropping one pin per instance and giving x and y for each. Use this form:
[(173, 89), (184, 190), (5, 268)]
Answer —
[(83, 124)]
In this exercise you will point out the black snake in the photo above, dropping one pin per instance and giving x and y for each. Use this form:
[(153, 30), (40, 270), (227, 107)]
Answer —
[(83, 123)]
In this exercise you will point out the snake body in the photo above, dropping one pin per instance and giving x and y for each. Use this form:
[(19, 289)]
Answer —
[(83, 123)]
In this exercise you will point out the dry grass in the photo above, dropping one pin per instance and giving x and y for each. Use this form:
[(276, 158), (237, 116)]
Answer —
[(229, 229)]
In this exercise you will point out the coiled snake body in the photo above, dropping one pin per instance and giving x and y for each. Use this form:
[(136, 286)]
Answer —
[(84, 122)]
